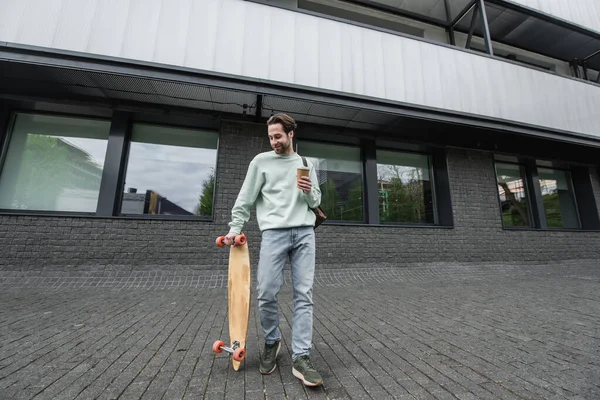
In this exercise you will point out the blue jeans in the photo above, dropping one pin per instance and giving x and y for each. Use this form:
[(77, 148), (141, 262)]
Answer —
[(276, 246)]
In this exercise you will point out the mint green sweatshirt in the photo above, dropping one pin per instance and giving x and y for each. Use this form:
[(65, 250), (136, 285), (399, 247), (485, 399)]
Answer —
[(270, 183)]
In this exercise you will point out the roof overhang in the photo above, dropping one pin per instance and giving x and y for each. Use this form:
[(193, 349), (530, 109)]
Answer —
[(37, 73)]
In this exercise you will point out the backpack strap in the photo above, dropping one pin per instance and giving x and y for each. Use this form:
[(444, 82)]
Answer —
[(304, 161)]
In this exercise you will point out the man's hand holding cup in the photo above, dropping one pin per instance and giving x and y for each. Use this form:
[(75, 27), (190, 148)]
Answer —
[(304, 182)]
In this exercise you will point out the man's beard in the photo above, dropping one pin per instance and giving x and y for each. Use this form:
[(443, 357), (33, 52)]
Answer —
[(283, 148)]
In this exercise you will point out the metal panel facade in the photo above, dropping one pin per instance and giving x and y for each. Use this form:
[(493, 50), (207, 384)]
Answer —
[(581, 12), (248, 39)]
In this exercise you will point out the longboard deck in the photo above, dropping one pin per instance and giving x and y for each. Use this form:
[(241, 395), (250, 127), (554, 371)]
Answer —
[(238, 296)]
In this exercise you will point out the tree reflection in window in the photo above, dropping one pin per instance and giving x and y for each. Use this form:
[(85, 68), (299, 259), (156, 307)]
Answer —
[(558, 198), (205, 202), (405, 190), (513, 196), (339, 171), (54, 164)]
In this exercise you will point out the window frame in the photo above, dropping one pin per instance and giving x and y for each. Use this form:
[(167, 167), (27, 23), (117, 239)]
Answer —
[(108, 206), (433, 184), (571, 187), (178, 123), (368, 148), (528, 194), (354, 144), (6, 138), (580, 184)]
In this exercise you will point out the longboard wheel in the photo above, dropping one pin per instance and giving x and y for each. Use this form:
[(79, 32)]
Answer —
[(239, 354), (217, 346), (240, 239), (221, 241)]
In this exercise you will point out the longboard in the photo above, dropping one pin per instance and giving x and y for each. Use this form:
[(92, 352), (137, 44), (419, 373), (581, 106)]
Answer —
[(238, 300)]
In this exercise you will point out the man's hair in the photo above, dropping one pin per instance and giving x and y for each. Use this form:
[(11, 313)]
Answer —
[(285, 120)]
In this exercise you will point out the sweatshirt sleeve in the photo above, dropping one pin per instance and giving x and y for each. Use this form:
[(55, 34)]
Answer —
[(313, 198), (240, 214)]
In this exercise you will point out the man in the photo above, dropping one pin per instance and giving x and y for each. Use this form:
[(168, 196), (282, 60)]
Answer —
[(284, 215)]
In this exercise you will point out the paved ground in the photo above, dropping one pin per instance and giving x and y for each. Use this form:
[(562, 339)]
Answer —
[(428, 332)]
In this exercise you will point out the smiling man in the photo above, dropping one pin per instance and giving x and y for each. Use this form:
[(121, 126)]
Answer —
[(284, 215)]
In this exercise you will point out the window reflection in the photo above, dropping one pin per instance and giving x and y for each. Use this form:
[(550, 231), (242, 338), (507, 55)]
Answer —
[(54, 164), (405, 189), (513, 196), (170, 171), (558, 198), (339, 170)]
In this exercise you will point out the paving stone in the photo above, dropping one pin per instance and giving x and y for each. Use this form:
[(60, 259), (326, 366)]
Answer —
[(414, 334)]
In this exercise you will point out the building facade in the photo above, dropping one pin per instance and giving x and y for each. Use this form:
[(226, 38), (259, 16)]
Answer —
[(443, 131)]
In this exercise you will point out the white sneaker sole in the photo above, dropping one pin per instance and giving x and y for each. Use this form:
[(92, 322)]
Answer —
[(298, 375)]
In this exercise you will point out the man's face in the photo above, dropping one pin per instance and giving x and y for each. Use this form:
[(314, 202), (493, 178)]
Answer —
[(281, 142)]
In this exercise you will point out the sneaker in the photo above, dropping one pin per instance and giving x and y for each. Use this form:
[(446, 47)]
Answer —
[(268, 361), (303, 370)]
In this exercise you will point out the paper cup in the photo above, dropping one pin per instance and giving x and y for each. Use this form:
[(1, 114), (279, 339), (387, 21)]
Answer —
[(302, 171)]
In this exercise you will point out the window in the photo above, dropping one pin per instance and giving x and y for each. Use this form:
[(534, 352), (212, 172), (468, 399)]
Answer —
[(170, 171), (339, 170), (405, 188), (53, 164), (558, 198), (365, 15), (544, 194), (513, 196)]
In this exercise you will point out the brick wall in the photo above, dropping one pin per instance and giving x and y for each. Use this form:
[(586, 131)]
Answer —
[(33, 244)]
